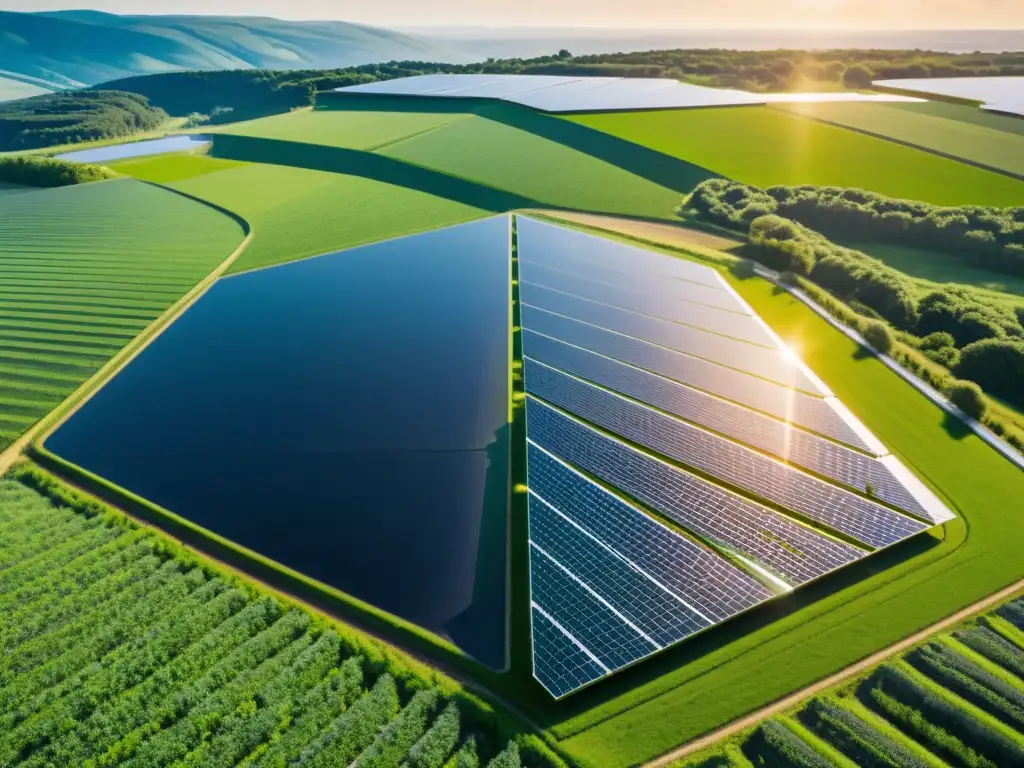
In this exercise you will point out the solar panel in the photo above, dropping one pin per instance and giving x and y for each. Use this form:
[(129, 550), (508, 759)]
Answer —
[(702, 579), (638, 280), (768, 364), (741, 467), (781, 439), (655, 611), (538, 240), (793, 552), (736, 326), (559, 661), (581, 613), (813, 413)]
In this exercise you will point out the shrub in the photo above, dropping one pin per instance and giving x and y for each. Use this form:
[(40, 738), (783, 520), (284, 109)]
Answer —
[(997, 365), (507, 758), (879, 336), (937, 340), (855, 738), (774, 744), (432, 750), (400, 734), (36, 171), (945, 356), (968, 397)]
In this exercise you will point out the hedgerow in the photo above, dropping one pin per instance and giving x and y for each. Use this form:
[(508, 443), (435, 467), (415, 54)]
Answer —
[(856, 739), (36, 171), (774, 744), (993, 647), (123, 649), (507, 758), (972, 683), (1013, 613)]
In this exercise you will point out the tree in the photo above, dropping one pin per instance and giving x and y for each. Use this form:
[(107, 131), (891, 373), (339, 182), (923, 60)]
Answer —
[(997, 365), (858, 76), (879, 336), (968, 397)]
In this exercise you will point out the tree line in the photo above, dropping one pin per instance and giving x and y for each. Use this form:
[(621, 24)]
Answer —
[(978, 339), (36, 171), (70, 117)]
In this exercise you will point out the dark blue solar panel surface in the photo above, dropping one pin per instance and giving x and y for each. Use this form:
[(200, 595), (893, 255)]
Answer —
[(719, 457), (654, 304), (581, 614), (792, 551), (810, 412), (558, 663), (766, 363), (627, 275), (701, 578), (542, 240), (770, 435), (655, 611)]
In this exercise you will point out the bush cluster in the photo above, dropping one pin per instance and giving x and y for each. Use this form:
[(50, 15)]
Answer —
[(774, 744), (982, 236), (855, 738), (36, 171), (75, 116)]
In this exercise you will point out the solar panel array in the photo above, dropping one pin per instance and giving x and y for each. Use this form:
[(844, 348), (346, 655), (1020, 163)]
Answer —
[(587, 94), (682, 466)]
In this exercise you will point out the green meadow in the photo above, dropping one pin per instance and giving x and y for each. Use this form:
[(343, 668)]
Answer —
[(965, 114), (83, 270), (165, 169), (765, 146), (990, 147)]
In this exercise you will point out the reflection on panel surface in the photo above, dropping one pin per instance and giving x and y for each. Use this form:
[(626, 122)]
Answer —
[(682, 466)]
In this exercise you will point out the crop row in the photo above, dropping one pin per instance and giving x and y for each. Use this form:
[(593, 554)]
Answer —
[(121, 649), (957, 700)]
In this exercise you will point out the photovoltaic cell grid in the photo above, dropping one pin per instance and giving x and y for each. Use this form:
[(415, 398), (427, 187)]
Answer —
[(632, 403), (772, 436), (655, 304)]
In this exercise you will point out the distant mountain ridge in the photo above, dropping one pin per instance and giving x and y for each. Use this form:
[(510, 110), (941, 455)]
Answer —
[(72, 48)]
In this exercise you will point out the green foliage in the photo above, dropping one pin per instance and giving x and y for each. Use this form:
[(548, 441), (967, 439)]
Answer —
[(507, 758), (1013, 612), (879, 336), (74, 116), (968, 397), (997, 365), (67, 309), (855, 738), (126, 652), (944, 713), (35, 171), (398, 737), (971, 682), (993, 647), (466, 757), (434, 747), (773, 744)]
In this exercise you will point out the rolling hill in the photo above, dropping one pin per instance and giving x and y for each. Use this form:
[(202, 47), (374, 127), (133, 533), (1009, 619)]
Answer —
[(71, 48)]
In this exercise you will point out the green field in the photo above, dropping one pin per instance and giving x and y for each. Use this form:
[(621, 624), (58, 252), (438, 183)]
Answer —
[(975, 143), (764, 146), (965, 114), (714, 679), (894, 714), (82, 271), (120, 648), (354, 129), (165, 169)]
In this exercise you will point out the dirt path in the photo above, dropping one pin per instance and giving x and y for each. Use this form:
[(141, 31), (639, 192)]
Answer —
[(844, 674), (95, 382), (672, 234)]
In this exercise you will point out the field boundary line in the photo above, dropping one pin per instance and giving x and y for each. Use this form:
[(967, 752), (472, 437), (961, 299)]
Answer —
[(864, 664), (133, 349), (910, 145)]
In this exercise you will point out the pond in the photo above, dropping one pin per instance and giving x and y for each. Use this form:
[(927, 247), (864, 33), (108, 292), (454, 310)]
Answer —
[(345, 415), (137, 149)]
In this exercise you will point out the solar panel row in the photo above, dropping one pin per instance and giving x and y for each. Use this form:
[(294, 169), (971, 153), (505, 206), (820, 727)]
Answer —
[(637, 280), (812, 413), (839, 509), (855, 470), (647, 302), (546, 243), (559, 662), (793, 552), (700, 578), (767, 364)]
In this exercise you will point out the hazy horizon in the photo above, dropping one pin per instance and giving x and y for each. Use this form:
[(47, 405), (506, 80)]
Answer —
[(598, 15)]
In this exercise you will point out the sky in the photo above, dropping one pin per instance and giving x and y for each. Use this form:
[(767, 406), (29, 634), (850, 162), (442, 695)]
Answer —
[(647, 14)]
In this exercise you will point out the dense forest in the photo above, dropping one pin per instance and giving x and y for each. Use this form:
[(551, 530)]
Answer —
[(74, 116)]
